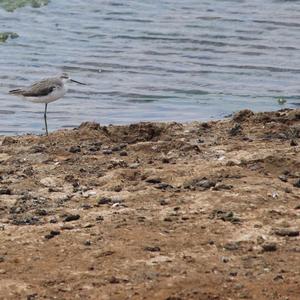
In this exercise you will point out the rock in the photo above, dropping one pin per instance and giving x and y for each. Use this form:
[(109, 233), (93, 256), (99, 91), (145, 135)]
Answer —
[(117, 163), (104, 200), (134, 166), (222, 186), (235, 130), (287, 232), (152, 248), (123, 153), (38, 149), (153, 180), (113, 280), (75, 149), (242, 115), (52, 234), (283, 178), (29, 171), (199, 184), (107, 152), (164, 202), (67, 227), (164, 186), (295, 249), (5, 191), (269, 247), (231, 246), (33, 296), (190, 148), (71, 179), (226, 216), (297, 183), (205, 125), (293, 143), (86, 206), (115, 148), (99, 218), (55, 232), (88, 225), (71, 217), (87, 243), (25, 220), (48, 182), (41, 212), (225, 259)]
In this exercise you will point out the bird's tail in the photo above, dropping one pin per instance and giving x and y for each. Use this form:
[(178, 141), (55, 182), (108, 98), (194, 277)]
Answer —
[(16, 92)]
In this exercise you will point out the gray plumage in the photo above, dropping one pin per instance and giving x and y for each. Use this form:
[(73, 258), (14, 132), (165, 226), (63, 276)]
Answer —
[(40, 88)]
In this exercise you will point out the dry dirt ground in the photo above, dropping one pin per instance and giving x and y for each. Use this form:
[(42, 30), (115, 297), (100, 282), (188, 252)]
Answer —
[(162, 211)]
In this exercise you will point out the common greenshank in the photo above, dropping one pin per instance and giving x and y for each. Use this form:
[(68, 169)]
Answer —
[(45, 91)]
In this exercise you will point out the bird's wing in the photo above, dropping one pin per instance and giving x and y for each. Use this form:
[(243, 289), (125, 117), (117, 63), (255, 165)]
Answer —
[(41, 88)]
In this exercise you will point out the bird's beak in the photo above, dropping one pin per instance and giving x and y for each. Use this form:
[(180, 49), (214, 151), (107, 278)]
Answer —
[(77, 82)]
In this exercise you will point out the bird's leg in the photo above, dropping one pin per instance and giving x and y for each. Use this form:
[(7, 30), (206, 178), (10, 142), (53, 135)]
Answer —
[(45, 118)]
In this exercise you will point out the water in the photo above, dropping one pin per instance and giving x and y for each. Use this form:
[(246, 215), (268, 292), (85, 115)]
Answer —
[(150, 60)]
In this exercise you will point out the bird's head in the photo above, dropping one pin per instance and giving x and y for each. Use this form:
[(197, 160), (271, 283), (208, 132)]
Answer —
[(66, 78)]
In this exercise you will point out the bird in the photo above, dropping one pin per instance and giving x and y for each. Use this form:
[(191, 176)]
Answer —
[(45, 91)]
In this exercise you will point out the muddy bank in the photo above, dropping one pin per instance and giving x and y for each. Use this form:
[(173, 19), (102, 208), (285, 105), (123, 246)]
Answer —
[(153, 211)]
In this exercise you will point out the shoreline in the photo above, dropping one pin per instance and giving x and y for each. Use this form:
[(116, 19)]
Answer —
[(219, 118), (153, 210)]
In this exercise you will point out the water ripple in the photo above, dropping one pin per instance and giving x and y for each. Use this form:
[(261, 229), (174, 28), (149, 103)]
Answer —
[(150, 60)]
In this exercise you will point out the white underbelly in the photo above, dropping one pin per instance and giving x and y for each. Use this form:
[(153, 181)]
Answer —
[(53, 96)]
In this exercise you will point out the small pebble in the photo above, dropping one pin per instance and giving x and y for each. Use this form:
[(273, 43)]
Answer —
[(52, 234), (71, 217), (116, 148), (123, 153), (113, 280), (99, 218), (75, 149), (293, 143), (231, 246), (104, 200), (297, 183), (163, 202), (5, 191), (269, 247), (225, 259), (152, 248), (134, 166), (153, 180), (283, 178), (287, 232), (107, 152)]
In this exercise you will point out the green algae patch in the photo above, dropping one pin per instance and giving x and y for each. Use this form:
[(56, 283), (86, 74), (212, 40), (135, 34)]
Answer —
[(11, 5), (6, 35)]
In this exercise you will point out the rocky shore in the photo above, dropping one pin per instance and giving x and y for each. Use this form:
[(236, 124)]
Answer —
[(164, 211)]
